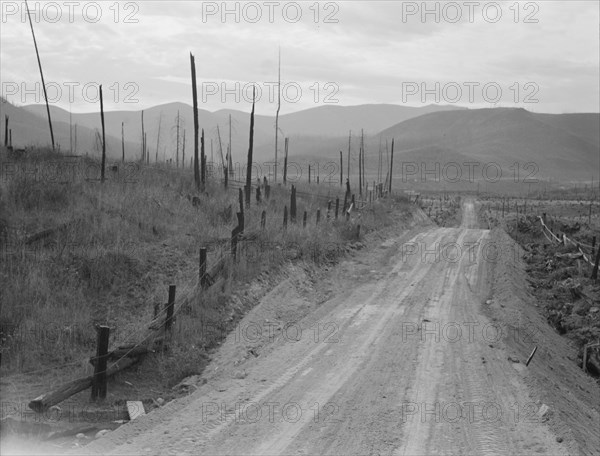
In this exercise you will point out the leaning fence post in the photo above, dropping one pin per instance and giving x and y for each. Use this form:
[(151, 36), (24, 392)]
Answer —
[(170, 308), (99, 382)]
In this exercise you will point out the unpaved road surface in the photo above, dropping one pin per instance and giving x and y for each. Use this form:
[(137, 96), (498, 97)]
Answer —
[(401, 361)]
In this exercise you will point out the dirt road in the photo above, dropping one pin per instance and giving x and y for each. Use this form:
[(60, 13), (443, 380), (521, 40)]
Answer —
[(401, 361)]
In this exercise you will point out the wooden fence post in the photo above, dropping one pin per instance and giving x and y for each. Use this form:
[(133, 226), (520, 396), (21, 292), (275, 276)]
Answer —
[(241, 199), (318, 216), (99, 381), (285, 217), (202, 269), (267, 191), (263, 219), (309, 174), (357, 231), (170, 306), (593, 244), (258, 195), (240, 217), (337, 206), (293, 205), (328, 209), (304, 220)]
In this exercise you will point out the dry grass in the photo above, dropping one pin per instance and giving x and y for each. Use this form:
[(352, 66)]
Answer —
[(123, 242)]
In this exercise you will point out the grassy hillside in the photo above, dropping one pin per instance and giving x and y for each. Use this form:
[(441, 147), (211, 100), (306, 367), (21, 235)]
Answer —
[(117, 246)]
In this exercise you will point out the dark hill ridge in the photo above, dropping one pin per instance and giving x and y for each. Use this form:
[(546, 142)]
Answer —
[(562, 146), (331, 121)]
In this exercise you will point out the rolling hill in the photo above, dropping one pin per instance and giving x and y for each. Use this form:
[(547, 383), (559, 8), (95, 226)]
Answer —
[(563, 146)]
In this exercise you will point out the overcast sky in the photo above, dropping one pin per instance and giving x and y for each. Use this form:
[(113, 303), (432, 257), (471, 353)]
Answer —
[(543, 55)]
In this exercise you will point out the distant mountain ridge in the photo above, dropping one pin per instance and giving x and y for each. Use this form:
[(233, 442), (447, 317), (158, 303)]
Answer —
[(328, 121), (562, 146)]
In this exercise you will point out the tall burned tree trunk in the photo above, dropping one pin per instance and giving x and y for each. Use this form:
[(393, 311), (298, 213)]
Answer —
[(195, 97), (349, 139), (123, 142), (143, 140), (70, 131), (103, 138), (202, 161), (37, 53), (177, 144), (250, 150), (230, 158), (360, 170), (341, 169), (223, 165), (158, 137), (362, 159), (183, 152), (277, 114), (285, 160), (391, 167)]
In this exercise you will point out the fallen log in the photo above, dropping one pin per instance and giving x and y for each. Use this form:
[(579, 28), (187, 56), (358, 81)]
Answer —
[(129, 352), (43, 402)]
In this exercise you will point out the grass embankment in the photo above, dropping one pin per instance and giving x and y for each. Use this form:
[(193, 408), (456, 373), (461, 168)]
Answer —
[(119, 246)]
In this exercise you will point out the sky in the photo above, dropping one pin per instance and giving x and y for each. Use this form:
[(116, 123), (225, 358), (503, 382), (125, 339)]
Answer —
[(542, 56)]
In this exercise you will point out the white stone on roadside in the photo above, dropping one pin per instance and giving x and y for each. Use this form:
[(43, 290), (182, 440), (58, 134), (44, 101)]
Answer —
[(543, 411)]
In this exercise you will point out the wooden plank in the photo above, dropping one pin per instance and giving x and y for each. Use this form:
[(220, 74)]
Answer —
[(43, 402), (135, 409)]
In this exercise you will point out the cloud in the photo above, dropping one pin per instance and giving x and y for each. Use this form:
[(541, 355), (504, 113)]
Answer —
[(367, 49)]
